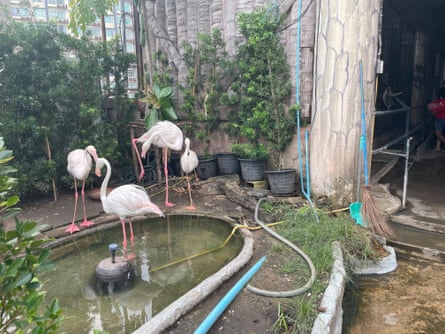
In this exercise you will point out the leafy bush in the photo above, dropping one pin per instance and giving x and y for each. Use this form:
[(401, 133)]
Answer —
[(250, 151), (51, 102), (23, 256)]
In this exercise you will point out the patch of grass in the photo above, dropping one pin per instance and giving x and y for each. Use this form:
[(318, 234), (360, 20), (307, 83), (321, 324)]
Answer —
[(314, 237)]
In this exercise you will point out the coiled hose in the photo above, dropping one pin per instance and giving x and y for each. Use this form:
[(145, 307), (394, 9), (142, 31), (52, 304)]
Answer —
[(288, 293)]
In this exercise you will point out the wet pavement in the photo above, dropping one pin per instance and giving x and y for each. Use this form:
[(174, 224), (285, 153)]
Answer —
[(409, 299), (422, 222)]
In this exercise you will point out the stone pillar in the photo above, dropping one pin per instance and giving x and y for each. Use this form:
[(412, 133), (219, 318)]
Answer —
[(347, 33)]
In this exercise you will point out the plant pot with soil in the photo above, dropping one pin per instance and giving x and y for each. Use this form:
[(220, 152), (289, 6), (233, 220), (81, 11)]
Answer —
[(208, 166), (252, 159), (228, 163)]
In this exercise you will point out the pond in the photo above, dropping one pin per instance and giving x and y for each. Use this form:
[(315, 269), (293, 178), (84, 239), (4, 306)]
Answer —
[(194, 246)]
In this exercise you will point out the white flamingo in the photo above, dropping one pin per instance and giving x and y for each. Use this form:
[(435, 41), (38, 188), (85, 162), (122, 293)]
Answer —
[(125, 201), (163, 134), (189, 161), (79, 166)]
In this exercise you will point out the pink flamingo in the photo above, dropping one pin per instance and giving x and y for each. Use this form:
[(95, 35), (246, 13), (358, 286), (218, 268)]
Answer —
[(125, 201), (163, 134), (189, 161), (79, 166)]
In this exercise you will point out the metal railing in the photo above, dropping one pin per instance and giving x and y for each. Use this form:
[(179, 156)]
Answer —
[(406, 136)]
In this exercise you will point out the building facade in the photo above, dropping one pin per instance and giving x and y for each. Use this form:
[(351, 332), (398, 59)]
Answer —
[(118, 23)]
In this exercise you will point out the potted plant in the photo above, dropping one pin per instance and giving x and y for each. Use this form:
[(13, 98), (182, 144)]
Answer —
[(260, 94), (252, 158), (208, 166), (281, 179)]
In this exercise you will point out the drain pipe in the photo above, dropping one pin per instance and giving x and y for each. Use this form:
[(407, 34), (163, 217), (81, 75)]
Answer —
[(306, 191), (289, 293)]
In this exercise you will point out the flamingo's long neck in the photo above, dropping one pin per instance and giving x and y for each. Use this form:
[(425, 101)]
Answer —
[(104, 186)]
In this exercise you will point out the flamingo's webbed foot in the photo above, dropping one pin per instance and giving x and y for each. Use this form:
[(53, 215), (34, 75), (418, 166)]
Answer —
[(87, 223), (72, 228)]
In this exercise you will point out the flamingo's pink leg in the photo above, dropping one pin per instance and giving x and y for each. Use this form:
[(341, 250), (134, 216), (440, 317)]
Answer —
[(73, 227), (124, 234), (85, 222), (191, 206), (132, 255), (141, 165), (165, 156)]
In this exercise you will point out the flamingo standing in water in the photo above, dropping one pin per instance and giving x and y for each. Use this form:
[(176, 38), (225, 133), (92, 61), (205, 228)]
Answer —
[(189, 161), (163, 134), (125, 201), (79, 166)]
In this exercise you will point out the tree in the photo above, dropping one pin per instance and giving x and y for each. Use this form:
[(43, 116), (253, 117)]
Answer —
[(51, 102), (259, 94)]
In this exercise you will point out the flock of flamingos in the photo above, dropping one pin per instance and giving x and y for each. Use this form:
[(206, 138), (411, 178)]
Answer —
[(130, 200)]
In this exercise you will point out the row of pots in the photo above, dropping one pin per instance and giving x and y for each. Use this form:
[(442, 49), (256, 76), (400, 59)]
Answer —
[(281, 182)]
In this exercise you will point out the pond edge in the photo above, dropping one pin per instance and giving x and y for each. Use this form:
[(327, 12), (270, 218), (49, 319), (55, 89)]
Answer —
[(173, 312)]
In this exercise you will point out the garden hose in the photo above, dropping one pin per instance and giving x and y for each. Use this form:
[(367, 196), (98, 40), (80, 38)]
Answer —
[(235, 228), (288, 293)]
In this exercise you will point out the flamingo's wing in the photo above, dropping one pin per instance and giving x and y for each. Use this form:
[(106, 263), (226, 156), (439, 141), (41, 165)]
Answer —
[(79, 164), (130, 200)]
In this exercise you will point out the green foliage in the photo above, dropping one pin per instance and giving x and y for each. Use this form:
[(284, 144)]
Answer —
[(298, 225), (250, 151), (160, 105), (258, 96), (23, 256), (209, 66), (51, 102), (85, 12), (6, 184)]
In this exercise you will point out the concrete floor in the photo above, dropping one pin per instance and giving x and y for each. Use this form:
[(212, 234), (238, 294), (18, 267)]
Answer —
[(422, 221)]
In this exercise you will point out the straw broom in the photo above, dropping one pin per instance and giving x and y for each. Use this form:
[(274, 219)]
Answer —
[(371, 214)]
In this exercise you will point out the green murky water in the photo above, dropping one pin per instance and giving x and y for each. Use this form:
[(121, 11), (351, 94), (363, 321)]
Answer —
[(158, 241)]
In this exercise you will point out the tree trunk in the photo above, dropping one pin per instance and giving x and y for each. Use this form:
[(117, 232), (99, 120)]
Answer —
[(347, 33), (164, 42)]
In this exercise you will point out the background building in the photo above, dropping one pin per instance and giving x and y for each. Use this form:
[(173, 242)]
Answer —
[(118, 23)]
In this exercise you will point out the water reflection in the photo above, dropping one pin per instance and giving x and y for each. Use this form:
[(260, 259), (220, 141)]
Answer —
[(153, 284)]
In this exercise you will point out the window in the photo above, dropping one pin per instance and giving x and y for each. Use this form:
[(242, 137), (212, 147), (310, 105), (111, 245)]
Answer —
[(129, 47), (109, 19), (95, 31), (131, 73), (55, 14), (18, 11), (110, 33), (129, 34), (40, 13), (56, 2)]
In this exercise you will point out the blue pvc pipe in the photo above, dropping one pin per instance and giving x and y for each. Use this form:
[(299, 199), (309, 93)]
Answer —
[(227, 299)]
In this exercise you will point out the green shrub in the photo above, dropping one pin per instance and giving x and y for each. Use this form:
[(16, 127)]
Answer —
[(23, 256)]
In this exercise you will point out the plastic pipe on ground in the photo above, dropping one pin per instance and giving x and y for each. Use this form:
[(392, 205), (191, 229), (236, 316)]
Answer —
[(227, 299)]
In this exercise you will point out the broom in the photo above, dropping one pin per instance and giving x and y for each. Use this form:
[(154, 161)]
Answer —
[(371, 214)]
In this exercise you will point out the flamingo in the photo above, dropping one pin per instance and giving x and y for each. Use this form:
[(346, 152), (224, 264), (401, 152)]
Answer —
[(125, 201), (79, 166), (163, 134), (189, 161)]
